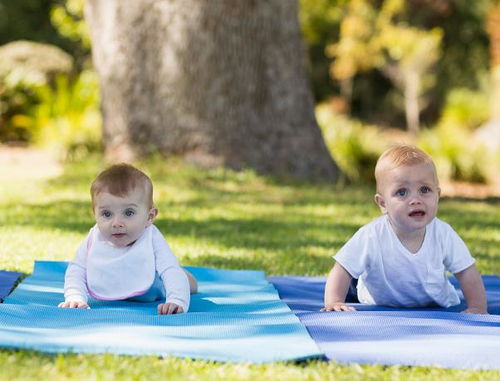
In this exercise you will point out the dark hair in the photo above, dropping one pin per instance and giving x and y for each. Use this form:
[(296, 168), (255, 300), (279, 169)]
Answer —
[(119, 180)]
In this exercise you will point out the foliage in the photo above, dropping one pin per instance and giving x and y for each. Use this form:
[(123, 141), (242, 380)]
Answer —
[(223, 219), (67, 18), (16, 96), (373, 38), (411, 55), (455, 155), (463, 62), (318, 17), (320, 22), (358, 47), (24, 67), (67, 118), (30, 20), (354, 147), (466, 108)]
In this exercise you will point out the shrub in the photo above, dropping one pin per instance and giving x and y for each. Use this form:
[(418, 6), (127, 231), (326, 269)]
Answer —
[(68, 119), (455, 154), (354, 147), (465, 108)]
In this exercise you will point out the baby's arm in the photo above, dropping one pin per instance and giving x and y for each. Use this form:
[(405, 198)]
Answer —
[(75, 295), (75, 280), (174, 278), (337, 286), (473, 288), (176, 285)]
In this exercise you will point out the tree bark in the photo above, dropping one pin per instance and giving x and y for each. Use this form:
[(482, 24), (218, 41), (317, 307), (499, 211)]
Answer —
[(412, 109), (221, 82)]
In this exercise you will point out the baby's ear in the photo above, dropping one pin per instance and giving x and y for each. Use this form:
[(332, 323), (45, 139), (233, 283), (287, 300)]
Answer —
[(153, 212), (380, 202)]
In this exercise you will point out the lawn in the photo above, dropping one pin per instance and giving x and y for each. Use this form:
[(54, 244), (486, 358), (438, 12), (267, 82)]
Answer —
[(221, 219)]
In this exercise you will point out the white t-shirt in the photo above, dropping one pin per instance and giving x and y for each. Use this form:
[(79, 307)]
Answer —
[(116, 273), (390, 275)]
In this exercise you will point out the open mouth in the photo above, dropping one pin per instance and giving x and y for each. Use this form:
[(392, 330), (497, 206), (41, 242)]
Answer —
[(417, 213)]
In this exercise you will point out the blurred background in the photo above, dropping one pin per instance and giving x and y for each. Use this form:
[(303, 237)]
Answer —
[(381, 72)]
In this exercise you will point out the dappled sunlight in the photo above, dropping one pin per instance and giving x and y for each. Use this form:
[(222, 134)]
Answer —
[(252, 224)]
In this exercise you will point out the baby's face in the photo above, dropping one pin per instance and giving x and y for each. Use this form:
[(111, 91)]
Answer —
[(409, 194), (122, 220)]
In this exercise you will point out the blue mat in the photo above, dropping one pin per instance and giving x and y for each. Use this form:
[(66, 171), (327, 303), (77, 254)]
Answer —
[(7, 281), (389, 336), (237, 316)]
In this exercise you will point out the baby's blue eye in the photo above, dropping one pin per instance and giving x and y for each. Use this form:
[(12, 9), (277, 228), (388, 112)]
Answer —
[(425, 189), (106, 213), (129, 212), (401, 192)]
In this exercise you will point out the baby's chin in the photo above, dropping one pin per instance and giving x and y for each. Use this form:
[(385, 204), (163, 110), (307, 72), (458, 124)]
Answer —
[(120, 242)]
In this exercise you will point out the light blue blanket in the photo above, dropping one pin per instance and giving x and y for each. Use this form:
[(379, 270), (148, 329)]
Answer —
[(237, 316)]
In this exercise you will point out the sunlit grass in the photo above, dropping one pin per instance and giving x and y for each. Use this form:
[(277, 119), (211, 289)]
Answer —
[(30, 365), (221, 219)]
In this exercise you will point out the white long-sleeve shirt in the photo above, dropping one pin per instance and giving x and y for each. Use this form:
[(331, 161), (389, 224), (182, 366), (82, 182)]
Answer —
[(110, 273)]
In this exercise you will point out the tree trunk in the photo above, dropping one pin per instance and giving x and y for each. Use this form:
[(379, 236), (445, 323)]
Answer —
[(221, 82), (412, 110)]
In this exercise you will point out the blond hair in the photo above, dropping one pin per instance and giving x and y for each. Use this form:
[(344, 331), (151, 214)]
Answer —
[(401, 155), (119, 180)]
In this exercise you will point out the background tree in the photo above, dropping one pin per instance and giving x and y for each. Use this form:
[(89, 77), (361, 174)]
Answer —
[(221, 83), (373, 38), (411, 54), (358, 49), (375, 99)]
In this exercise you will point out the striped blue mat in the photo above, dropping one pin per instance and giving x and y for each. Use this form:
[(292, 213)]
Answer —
[(390, 336), (237, 316)]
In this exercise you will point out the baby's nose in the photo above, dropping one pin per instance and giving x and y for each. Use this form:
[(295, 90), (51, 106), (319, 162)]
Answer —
[(117, 223), (415, 200)]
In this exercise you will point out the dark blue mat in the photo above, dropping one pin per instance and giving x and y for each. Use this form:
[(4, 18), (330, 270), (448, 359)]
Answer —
[(7, 281), (390, 336)]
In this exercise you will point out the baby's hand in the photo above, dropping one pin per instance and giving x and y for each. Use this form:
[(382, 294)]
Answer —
[(475, 310), (169, 309), (74, 304), (338, 307)]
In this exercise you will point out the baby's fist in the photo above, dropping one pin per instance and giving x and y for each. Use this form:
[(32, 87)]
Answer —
[(74, 304), (169, 309)]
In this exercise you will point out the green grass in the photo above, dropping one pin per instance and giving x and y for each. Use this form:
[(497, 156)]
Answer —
[(222, 219)]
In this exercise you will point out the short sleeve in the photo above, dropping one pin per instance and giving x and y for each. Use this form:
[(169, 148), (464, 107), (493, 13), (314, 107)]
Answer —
[(457, 256), (354, 255)]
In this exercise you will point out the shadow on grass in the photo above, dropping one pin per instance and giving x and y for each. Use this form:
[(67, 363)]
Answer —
[(270, 232), (76, 216), (289, 234)]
